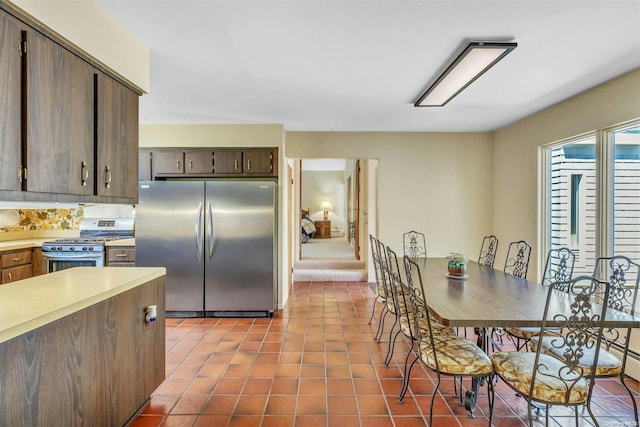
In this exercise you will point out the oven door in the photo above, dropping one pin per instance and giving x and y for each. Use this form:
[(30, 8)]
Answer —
[(56, 261)]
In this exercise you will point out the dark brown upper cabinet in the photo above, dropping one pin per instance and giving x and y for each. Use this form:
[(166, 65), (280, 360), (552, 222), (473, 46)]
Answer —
[(117, 139), (60, 119), (212, 162), (68, 124), (258, 161), (10, 104), (227, 161), (198, 162)]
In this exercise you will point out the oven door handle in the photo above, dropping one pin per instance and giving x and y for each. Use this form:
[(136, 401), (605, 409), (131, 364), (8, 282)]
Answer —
[(71, 255), (199, 236)]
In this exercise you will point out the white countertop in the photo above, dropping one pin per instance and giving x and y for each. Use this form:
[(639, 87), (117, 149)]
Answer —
[(31, 303), (11, 245), (121, 242)]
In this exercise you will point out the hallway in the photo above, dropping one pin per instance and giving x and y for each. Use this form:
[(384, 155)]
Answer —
[(317, 365)]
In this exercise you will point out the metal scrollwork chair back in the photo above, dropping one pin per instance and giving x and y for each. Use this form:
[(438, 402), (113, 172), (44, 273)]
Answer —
[(569, 330), (446, 355), (517, 262), (488, 251), (380, 293), (559, 266), (414, 244), (623, 275)]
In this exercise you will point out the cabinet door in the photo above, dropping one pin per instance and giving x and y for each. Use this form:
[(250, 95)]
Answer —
[(144, 165), (60, 119), (258, 161), (198, 162), (10, 99), (36, 262), (227, 162), (117, 132), (168, 162), (16, 273)]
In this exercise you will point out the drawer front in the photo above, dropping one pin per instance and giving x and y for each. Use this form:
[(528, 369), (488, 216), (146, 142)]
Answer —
[(121, 255), (16, 273), (12, 259)]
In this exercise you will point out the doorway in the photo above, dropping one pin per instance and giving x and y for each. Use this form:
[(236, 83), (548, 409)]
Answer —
[(332, 189)]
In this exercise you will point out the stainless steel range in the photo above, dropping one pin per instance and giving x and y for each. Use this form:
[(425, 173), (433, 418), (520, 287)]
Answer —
[(87, 250)]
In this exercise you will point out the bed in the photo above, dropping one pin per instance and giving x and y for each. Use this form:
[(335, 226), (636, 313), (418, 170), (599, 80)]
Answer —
[(308, 226)]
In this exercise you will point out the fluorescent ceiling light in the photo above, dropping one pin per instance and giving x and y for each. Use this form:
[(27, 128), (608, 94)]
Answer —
[(474, 60)]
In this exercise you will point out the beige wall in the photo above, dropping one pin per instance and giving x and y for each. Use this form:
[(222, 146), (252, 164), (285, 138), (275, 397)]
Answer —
[(87, 25), (516, 208), (437, 183)]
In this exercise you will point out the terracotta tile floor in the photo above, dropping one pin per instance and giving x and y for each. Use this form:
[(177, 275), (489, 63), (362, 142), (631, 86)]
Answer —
[(317, 365)]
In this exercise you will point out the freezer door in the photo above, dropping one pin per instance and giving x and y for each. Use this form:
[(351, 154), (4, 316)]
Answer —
[(169, 229), (239, 246)]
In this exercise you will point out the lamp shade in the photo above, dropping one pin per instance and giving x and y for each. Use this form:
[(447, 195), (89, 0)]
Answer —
[(326, 206)]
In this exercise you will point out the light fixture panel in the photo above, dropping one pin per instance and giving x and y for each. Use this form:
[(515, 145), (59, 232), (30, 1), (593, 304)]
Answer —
[(472, 62)]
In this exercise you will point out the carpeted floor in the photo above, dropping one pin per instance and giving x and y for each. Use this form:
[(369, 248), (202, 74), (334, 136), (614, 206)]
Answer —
[(327, 248)]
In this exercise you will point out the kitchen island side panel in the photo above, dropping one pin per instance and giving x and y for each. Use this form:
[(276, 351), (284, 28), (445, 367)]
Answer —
[(97, 366)]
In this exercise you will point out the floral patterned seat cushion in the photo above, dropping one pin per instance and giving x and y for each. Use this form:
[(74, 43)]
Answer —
[(408, 327), (456, 356), (608, 364), (516, 369), (523, 333)]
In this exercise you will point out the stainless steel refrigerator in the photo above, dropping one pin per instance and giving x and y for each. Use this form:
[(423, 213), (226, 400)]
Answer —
[(217, 242)]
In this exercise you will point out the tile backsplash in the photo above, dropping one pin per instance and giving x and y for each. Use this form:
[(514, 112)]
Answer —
[(44, 219)]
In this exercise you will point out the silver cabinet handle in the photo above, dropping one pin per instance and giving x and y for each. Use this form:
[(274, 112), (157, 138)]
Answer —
[(85, 173), (210, 230), (121, 255), (249, 164), (190, 165), (107, 177), (10, 276), (235, 164), (177, 165), (199, 232)]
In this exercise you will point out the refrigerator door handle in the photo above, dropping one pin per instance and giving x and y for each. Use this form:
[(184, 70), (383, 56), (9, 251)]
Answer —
[(199, 232), (209, 230)]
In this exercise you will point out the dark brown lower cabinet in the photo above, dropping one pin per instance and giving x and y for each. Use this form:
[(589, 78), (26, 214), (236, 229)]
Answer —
[(95, 367)]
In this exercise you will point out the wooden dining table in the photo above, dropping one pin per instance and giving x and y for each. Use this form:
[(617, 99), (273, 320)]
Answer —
[(493, 298), (488, 298)]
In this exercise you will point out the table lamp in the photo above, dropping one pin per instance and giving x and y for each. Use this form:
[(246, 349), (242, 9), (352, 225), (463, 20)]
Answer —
[(326, 207)]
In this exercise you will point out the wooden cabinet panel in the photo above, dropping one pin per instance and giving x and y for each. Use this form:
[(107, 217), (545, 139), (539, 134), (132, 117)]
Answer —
[(198, 162), (60, 125), (144, 165), (168, 162), (117, 139), (227, 162), (16, 265), (258, 161), (10, 101), (323, 229), (16, 273), (121, 257), (36, 262)]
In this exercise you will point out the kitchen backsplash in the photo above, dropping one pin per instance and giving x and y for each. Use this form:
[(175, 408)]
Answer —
[(43, 219)]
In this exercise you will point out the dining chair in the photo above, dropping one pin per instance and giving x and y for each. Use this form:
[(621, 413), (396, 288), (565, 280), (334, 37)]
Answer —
[(517, 261), (446, 355), (623, 276), (560, 379), (488, 251), (406, 317), (380, 295), (414, 244), (558, 268), (389, 306)]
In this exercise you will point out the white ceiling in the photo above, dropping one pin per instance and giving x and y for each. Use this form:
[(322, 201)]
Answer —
[(330, 65)]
